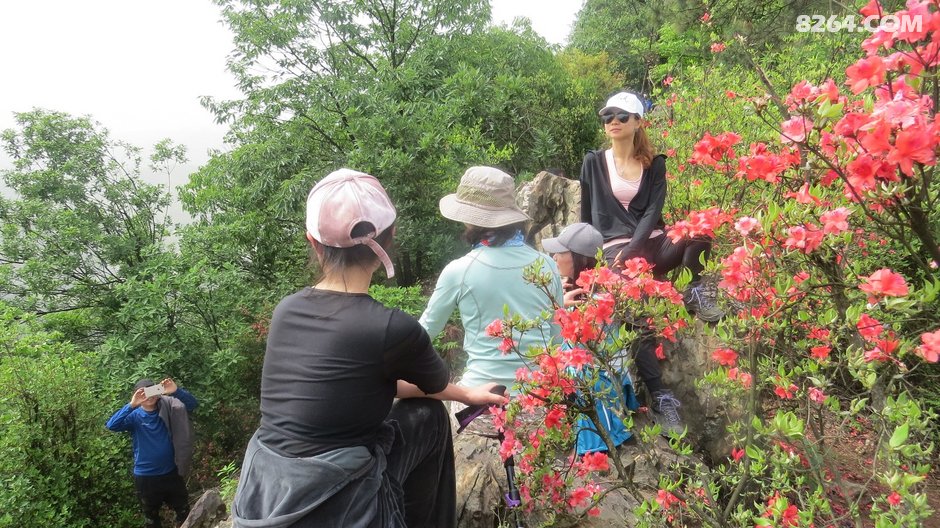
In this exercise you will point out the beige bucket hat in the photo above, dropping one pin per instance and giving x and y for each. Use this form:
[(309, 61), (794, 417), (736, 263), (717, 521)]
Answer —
[(485, 197)]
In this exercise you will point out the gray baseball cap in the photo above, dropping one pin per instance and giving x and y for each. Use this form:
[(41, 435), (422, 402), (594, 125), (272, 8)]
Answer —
[(578, 238)]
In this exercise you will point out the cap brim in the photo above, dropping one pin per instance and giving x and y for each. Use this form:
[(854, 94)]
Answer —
[(606, 109), (457, 211), (553, 245)]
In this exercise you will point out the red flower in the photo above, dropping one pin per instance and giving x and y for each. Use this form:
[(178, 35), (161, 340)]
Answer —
[(910, 145), (710, 150), (803, 196), (596, 461), (718, 47), (791, 516), (494, 329), (884, 283), (869, 327), (666, 499), (795, 129), (725, 356), (636, 266), (553, 419), (894, 499), (737, 454), (882, 351), (805, 239), (660, 353), (746, 224), (506, 345), (816, 395), (576, 358), (785, 393), (820, 352), (579, 496)]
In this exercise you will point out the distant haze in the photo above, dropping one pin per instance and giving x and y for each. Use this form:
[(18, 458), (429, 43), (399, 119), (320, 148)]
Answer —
[(139, 67)]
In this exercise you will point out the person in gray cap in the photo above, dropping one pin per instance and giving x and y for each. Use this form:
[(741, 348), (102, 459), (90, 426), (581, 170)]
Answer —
[(574, 250)]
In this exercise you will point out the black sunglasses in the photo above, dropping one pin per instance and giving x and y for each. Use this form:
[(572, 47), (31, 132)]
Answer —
[(623, 117)]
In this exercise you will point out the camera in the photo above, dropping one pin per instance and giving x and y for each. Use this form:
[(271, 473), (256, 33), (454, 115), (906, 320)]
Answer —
[(154, 390)]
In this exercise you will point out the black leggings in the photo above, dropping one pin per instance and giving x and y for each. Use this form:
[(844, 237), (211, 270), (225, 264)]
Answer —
[(665, 256), (424, 464)]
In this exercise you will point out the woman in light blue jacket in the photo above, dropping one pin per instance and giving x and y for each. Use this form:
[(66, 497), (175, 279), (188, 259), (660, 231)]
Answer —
[(490, 278)]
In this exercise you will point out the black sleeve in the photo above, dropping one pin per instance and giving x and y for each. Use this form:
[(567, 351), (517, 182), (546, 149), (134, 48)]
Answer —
[(409, 355), (654, 210), (586, 188)]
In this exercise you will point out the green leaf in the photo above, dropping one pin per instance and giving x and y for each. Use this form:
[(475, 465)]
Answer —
[(900, 436)]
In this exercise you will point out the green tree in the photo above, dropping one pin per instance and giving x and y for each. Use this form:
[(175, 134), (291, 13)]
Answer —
[(81, 219), (412, 92)]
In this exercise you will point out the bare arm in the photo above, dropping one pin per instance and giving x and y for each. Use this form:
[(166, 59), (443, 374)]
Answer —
[(466, 395)]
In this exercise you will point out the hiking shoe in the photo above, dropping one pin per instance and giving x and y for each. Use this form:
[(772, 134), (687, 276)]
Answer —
[(666, 413), (703, 303)]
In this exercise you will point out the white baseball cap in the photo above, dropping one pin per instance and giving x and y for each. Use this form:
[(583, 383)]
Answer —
[(625, 101)]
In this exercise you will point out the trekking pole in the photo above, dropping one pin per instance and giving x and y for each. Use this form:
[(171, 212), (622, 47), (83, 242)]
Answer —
[(512, 497), (513, 500)]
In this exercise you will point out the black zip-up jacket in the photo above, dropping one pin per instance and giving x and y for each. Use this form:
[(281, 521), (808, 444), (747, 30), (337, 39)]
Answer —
[(600, 208)]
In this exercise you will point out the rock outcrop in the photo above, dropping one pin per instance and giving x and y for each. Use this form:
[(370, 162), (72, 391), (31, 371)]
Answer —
[(552, 202), (207, 512)]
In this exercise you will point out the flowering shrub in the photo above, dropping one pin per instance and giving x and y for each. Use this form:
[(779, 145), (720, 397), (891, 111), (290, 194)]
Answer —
[(823, 339)]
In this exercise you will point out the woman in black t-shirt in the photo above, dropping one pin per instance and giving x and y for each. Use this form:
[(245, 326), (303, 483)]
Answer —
[(334, 448)]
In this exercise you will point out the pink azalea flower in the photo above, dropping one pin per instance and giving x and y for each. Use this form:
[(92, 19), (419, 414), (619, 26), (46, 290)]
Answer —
[(795, 129), (816, 395), (834, 222), (745, 225), (884, 283), (930, 349)]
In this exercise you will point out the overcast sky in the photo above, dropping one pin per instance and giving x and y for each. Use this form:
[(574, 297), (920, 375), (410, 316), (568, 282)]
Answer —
[(140, 67)]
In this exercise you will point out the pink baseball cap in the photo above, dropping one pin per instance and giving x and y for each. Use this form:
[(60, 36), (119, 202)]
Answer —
[(341, 201)]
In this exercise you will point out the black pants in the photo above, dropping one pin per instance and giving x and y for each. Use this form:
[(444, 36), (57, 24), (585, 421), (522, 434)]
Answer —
[(424, 464), (665, 256), (154, 491)]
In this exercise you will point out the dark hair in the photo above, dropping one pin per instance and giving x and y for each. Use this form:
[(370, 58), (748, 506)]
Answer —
[(496, 235), (580, 263), (333, 258)]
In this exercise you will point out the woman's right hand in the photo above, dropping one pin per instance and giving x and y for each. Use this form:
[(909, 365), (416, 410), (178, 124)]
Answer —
[(573, 294), (482, 395)]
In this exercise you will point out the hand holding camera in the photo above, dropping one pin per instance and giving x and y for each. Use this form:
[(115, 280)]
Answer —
[(154, 390)]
